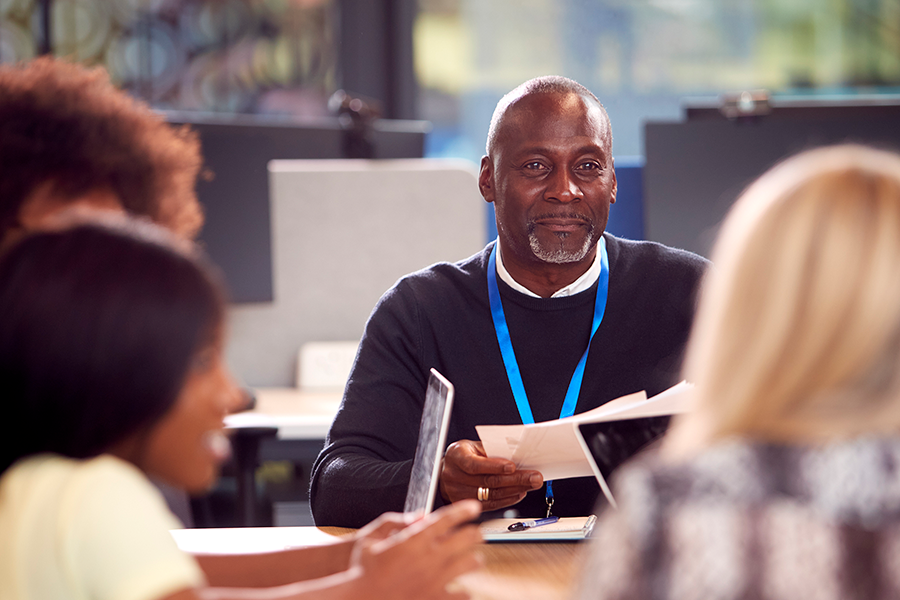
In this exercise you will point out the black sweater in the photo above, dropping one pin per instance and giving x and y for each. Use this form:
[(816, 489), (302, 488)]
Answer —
[(440, 317)]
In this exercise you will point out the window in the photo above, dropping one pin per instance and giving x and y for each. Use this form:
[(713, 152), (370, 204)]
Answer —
[(643, 58), (257, 56)]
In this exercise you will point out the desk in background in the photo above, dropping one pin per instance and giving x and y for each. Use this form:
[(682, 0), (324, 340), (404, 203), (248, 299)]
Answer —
[(293, 414), (519, 571), (285, 424)]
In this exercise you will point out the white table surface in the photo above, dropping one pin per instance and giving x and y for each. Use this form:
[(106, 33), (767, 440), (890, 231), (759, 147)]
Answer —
[(248, 540), (522, 571), (298, 414)]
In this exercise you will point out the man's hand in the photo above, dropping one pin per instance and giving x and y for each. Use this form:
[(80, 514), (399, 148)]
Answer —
[(466, 468)]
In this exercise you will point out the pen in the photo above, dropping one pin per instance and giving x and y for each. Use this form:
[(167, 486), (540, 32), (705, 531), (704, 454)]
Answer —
[(523, 525)]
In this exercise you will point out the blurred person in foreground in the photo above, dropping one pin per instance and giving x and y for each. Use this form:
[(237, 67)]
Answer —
[(784, 482), (112, 369), (70, 140)]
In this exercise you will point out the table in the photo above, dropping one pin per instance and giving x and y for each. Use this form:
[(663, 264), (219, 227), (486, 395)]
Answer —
[(512, 571), (282, 413), (295, 414)]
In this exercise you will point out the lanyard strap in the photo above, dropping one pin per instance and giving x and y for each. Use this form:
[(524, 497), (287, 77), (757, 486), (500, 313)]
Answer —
[(513, 373)]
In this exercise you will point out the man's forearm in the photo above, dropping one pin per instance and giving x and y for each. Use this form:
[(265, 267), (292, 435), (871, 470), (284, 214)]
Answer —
[(350, 490)]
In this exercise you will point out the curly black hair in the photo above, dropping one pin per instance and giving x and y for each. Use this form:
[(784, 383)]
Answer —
[(100, 324), (67, 126)]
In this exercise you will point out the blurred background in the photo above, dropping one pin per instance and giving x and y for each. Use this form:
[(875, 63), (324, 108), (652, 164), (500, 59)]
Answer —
[(449, 61)]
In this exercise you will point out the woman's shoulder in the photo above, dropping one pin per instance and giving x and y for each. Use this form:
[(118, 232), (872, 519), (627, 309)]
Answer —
[(849, 480), (727, 471), (71, 488), (52, 471), (739, 489), (96, 524), (707, 523)]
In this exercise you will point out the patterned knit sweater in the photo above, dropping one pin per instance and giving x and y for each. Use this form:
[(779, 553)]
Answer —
[(745, 520)]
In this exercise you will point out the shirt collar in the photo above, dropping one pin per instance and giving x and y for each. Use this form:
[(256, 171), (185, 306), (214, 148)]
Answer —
[(579, 285)]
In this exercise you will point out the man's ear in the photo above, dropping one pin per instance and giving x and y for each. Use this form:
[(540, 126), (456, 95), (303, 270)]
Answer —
[(486, 179), (615, 188)]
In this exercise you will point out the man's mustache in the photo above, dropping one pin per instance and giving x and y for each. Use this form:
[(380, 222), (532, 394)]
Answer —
[(570, 215)]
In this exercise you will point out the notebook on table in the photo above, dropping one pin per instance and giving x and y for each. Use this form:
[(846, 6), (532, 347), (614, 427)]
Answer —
[(567, 529)]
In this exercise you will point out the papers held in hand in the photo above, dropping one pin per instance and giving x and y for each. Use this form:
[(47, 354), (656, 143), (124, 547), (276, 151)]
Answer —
[(558, 449)]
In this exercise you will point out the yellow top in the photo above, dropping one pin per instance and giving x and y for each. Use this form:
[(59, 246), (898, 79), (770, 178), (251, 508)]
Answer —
[(87, 530)]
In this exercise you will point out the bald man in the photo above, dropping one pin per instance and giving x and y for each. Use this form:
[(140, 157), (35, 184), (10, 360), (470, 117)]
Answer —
[(551, 278)]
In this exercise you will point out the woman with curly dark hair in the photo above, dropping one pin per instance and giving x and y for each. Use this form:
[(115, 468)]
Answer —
[(69, 138)]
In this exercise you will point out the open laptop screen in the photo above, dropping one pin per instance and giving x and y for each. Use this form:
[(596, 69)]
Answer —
[(611, 443)]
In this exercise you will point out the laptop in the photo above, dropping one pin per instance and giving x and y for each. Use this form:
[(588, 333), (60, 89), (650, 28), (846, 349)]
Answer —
[(423, 481), (608, 444)]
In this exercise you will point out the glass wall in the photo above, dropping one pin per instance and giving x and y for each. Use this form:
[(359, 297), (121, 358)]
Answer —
[(643, 58), (261, 56)]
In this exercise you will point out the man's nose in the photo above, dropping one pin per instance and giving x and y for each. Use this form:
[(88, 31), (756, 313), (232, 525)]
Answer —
[(562, 187)]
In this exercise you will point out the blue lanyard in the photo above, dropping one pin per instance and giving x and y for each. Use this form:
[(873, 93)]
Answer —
[(509, 356)]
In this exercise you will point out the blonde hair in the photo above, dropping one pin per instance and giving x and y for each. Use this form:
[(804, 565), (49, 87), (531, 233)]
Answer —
[(797, 338)]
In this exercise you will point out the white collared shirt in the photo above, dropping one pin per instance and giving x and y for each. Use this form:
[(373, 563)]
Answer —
[(579, 285)]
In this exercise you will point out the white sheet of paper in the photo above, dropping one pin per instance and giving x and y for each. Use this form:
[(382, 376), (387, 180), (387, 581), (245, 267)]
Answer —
[(553, 448)]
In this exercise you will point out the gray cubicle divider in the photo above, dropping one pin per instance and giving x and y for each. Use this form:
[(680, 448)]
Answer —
[(343, 232), (235, 198), (696, 169)]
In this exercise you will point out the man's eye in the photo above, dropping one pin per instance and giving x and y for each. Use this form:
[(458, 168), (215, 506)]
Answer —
[(534, 165), (589, 166)]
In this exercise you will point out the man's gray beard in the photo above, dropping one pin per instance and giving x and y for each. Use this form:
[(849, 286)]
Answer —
[(559, 255)]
